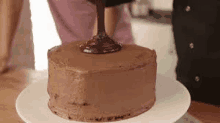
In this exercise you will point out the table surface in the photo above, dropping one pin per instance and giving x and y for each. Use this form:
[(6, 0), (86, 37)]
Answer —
[(16, 79)]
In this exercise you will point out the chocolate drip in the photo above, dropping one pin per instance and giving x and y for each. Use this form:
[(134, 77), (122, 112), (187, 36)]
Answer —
[(101, 43), (100, 8)]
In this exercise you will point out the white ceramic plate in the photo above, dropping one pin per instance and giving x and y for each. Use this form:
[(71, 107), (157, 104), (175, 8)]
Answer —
[(172, 102)]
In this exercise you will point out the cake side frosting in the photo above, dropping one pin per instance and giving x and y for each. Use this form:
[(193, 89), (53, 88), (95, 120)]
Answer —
[(88, 87)]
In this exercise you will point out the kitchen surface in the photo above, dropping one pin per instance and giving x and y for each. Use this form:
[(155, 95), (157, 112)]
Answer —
[(154, 32)]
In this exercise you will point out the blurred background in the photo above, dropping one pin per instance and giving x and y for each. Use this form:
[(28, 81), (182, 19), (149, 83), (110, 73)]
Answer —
[(151, 27)]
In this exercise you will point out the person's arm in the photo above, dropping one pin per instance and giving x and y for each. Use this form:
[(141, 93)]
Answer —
[(9, 18), (111, 17)]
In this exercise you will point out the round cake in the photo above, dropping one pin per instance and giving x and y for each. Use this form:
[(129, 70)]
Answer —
[(101, 87)]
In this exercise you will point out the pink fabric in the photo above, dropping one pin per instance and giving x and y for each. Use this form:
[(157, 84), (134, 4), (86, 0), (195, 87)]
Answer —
[(75, 21)]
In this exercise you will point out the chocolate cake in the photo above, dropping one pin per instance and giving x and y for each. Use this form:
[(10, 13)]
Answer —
[(99, 80), (101, 87)]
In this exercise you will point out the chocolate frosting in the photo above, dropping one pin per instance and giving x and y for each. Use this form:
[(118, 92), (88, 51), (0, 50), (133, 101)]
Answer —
[(131, 56), (101, 43), (101, 87)]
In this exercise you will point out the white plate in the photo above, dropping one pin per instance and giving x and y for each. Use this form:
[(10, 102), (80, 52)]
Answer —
[(172, 102)]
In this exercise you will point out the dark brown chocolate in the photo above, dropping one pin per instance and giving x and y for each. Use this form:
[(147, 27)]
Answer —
[(101, 43)]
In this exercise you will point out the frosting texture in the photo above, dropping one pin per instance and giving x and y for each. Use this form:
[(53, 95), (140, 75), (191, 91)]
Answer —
[(101, 87)]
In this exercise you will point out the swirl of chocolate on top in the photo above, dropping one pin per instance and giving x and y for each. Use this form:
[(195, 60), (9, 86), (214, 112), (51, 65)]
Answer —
[(101, 43)]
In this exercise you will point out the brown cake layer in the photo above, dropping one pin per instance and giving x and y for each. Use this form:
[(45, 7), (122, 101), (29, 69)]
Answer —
[(101, 87)]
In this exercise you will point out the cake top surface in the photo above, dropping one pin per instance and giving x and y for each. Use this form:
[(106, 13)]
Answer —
[(70, 57)]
